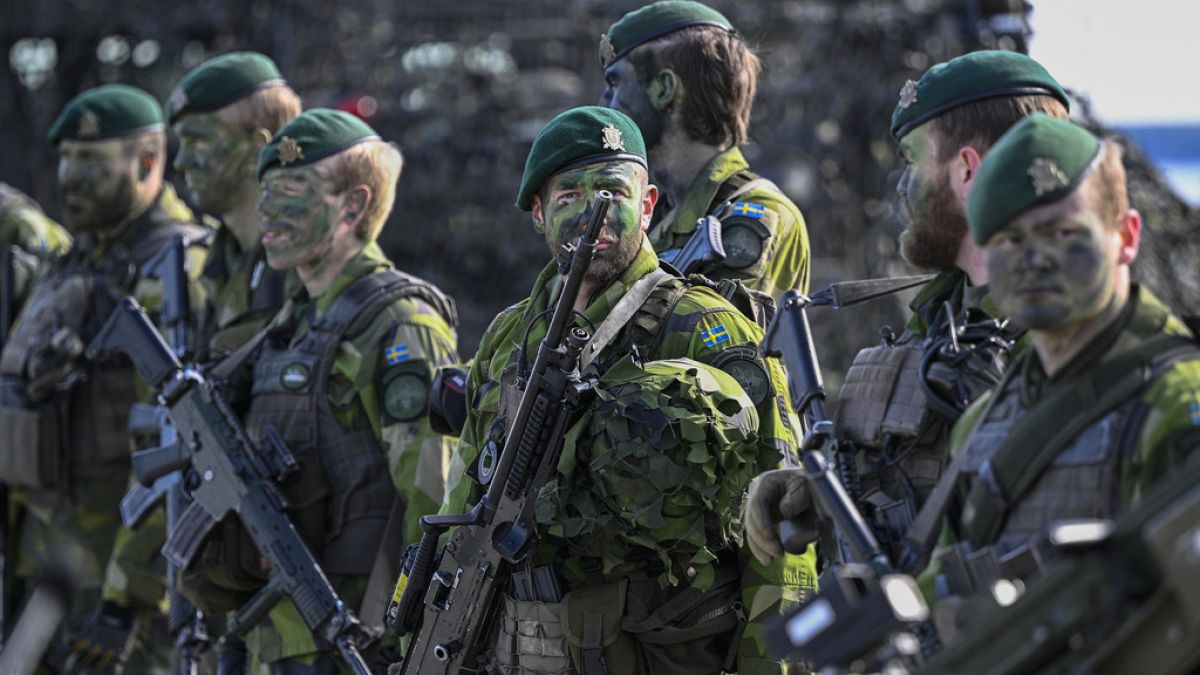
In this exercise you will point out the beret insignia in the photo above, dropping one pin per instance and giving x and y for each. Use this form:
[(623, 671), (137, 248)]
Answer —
[(89, 125), (177, 101), (289, 150), (1046, 176), (607, 52), (612, 138), (908, 94)]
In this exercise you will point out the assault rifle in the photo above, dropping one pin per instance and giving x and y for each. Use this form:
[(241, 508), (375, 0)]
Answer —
[(450, 610), (225, 473), (704, 247), (865, 610)]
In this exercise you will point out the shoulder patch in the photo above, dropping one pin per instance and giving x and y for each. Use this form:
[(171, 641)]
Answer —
[(749, 210), (1194, 413), (745, 240), (717, 335), (396, 354), (743, 364), (405, 394)]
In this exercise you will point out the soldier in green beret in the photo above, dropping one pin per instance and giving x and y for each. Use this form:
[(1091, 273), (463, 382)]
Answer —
[(900, 399), (634, 537), (64, 444), (342, 374), (663, 66), (1105, 403)]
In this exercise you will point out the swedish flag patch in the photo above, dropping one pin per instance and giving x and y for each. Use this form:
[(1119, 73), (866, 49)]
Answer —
[(749, 209), (717, 336), (1194, 409), (396, 354)]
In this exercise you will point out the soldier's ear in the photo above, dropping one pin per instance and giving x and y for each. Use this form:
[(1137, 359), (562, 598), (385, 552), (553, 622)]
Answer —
[(539, 219), (664, 89), (354, 206), (261, 137)]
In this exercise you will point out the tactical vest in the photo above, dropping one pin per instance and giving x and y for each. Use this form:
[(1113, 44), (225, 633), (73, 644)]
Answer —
[(221, 330), (896, 408), (344, 492), (63, 416)]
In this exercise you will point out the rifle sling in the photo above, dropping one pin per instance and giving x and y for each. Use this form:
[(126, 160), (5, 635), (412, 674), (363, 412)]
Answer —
[(385, 569), (621, 313)]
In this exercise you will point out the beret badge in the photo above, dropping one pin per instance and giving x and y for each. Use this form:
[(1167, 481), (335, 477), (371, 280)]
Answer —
[(89, 125), (612, 138), (289, 150), (607, 51), (908, 94), (1046, 176)]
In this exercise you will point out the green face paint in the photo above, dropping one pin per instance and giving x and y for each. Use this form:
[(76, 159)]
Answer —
[(216, 160), (1053, 266), (97, 180), (936, 222), (298, 216), (566, 205)]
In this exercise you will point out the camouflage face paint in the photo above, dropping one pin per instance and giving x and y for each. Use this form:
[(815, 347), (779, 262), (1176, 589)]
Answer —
[(567, 199), (298, 217), (936, 222), (97, 180), (1054, 266), (623, 92), (216, 160)]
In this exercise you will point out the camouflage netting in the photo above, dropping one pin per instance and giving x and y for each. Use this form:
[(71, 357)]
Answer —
[(463, 87), (666, 441)]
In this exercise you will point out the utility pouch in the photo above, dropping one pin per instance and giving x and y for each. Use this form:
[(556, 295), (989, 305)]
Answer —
[(593, 617), (31, 447), (882, 396), (530, 638)]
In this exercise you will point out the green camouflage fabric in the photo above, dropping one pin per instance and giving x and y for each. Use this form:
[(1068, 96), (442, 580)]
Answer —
[(1165, 435), (784, 264), (417, 455), (928, 305), (767, 591), (121, 566), (231, 279), (23, 223)]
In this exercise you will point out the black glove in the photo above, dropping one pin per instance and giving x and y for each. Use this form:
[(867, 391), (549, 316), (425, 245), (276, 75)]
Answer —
[(104, 642)]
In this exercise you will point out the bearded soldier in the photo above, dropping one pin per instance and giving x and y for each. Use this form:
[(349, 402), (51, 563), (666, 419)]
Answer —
[(686, 77), (63, 436), (637, 535), (1107, 400), (342, 375), (900, 399)]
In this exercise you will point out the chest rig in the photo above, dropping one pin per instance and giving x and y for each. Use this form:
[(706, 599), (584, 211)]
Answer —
[(62, 415), (898, 404), (343, 492)]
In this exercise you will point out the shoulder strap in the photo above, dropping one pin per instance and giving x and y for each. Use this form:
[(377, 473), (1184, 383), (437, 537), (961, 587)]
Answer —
[(629, 305), (645, 328), (1061, 415), (753, 182), (357, 306)]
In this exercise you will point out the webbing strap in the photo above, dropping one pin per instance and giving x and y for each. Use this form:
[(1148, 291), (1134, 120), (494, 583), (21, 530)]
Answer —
[(626, 307)]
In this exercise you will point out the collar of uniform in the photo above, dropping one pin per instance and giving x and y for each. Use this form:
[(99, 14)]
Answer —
[(167, 206), (928, 301), (694, 206), (369, 259)]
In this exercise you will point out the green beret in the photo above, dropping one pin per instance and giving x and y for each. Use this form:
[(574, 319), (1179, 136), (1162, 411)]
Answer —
[(576, 137), (314, 135), (108, 111), (1040, 160), (970, 77), (654, 21), (221, 81)]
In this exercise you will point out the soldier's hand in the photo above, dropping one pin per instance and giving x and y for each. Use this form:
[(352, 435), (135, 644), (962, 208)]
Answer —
[(104, 641), (776, 496)]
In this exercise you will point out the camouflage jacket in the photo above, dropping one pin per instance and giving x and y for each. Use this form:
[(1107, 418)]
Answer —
[(702, 326), (784, 260), (23, 223), (407, 340)]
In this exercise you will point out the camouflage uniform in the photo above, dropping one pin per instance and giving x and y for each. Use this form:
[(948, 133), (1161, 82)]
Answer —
[(373, 403), (764, 234), (23, 223), (76, 507), (1116, 449), (584, 539)]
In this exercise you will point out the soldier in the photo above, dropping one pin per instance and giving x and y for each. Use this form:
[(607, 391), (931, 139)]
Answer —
[(64, 441), (900, 399), (1107, 400), (23, 226), (682, 72), (342, 376), (224, 112), (612, 524)]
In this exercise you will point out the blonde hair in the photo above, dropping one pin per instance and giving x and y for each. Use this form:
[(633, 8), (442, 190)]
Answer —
[(375, 164), (1106, 188), (268, 108)]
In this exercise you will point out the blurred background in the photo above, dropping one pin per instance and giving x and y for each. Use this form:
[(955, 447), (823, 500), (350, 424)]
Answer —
[(464, 86)]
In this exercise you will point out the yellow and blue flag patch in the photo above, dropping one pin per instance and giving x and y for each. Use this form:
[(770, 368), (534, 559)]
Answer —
[(1194, 410), (749, 209), (396, 354), (716, 336)]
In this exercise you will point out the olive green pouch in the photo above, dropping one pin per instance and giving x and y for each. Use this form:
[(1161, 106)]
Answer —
[(30, 447), (592, 623)]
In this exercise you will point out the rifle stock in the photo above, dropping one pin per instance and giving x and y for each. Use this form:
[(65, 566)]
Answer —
[(225, 478), (449, 605)]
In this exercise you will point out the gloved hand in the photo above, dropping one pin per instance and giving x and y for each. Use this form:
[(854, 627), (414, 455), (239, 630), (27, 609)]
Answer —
[(104, 641), (776, 496)]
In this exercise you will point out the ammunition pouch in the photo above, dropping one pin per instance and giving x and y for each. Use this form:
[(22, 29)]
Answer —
[(965, 572), (530, 638), (31, 445)]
